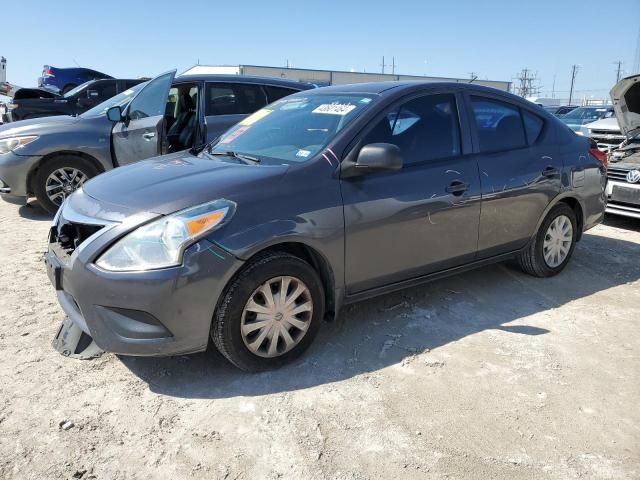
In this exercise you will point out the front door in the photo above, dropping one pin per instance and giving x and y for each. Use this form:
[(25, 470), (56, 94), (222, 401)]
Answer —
[(420, 219), (141, 134)]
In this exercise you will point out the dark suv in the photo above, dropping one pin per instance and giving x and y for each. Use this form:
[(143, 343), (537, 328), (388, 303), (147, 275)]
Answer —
[(322, 198), (51, 157), (34, 103)]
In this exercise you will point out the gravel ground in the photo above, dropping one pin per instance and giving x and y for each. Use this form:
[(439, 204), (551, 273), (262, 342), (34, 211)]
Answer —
[(490, 374)]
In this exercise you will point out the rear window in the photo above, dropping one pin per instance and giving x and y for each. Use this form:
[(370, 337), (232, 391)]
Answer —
[(498, 124), (276, 93), (233, 98), (533, 125)]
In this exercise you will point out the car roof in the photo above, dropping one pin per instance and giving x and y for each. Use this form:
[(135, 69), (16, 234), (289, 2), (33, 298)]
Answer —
[(279, 82)]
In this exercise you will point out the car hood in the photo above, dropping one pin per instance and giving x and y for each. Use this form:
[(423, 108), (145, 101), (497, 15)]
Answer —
[(626, 103), (37, 126), (170, 183), (605, 124)]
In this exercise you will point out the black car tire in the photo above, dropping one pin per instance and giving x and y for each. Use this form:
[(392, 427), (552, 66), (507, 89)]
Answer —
[(532, 260), (227, 320), (50, 166), (68, 87)]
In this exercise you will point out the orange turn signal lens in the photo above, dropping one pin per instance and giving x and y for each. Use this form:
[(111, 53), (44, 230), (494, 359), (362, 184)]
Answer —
[(204, 222)]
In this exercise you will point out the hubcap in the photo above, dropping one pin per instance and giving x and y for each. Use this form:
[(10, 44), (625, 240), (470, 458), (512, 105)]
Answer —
[(277, 316), (557, 241), (62, 183)]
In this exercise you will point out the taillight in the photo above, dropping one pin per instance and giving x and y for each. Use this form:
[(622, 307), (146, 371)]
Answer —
[(47, 71), (600, 155)]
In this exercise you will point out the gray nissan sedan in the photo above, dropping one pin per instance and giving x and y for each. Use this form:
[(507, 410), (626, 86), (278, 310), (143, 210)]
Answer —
[(323, 198)]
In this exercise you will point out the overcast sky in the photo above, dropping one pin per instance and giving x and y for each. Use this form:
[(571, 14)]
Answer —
[(495, 39)]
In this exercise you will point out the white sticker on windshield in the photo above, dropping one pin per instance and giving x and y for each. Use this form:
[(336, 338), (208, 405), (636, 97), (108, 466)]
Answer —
[(303, 153), (335, 108), (128, 92)]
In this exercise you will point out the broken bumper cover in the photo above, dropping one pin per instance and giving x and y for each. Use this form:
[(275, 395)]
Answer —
[(148, 313)]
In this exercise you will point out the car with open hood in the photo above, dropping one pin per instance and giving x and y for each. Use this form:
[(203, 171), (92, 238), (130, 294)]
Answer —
[(325, 197), (623, 187), (51, 157)]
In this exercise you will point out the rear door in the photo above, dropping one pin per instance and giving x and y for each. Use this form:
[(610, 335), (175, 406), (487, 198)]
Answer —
[(519, 172), (420, 219), (141, 134), (226, 103)]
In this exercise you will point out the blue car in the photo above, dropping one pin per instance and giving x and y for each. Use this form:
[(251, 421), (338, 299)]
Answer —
[(61, 80)]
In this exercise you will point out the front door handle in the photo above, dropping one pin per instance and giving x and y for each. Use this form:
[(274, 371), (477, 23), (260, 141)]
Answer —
[(550, 172), (148, 135), (457, 187)]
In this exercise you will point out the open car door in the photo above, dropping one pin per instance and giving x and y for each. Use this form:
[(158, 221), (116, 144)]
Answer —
[(140, 133)]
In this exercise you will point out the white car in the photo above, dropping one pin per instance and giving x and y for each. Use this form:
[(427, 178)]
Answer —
[(623, 185)]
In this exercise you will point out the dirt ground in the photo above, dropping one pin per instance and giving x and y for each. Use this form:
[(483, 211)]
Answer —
[(490, 374)]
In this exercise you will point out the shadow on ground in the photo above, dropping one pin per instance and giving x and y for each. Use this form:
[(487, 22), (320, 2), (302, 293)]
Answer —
[(381, 332), (33, 211)]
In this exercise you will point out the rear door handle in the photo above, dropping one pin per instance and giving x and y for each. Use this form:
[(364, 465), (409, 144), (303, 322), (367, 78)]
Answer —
[(457, 187), (148, 135), (550, 172)]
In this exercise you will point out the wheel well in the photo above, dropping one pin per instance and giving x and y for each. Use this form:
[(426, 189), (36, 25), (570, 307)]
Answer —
[(34, 171), (319, 264), (577, 209)]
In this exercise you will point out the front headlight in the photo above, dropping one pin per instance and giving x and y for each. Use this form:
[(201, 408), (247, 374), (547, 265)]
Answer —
[(161, 243), (12, 143)]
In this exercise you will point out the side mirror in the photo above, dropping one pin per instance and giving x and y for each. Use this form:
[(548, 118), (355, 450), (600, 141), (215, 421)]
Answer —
[(375, 157), (114, 114)]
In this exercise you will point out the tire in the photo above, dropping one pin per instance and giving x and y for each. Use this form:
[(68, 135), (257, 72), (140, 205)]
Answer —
[(231, 316), (68, 87), (532, 260), (70, 164)]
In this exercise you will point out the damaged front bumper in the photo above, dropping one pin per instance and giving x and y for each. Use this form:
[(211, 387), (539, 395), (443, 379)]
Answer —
[(150, 313)]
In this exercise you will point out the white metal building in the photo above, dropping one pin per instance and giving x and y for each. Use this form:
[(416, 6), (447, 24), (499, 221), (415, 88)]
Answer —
[(328, 77)]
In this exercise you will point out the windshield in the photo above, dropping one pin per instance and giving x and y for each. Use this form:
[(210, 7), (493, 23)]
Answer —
[(293, 129), (589, 114), (119, 100), (78, 89)]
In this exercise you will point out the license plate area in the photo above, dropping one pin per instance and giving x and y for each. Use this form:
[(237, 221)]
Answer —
[(54, 271), (625, 194)]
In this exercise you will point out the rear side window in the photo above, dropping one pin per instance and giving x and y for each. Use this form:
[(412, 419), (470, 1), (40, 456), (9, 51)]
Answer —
[(533, 125), (276, 93), (425, 128), (499, 125), (102, 90), (233, 98)]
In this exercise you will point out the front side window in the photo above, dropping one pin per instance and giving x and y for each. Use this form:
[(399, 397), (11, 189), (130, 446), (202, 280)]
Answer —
[(498, 124), (102, 89), (425, 128), (293, 129), (151, 102), (233, 98)]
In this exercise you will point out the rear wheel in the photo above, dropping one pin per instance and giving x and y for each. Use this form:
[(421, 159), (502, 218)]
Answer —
[(550, 250), (270, 313), (60, 177)]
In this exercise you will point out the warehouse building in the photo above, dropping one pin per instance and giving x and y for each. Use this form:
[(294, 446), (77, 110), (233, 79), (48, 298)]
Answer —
[(329, 77)]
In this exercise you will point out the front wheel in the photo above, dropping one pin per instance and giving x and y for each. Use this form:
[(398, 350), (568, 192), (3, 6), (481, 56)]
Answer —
[(552, 247), (270, 313), (60, 177)]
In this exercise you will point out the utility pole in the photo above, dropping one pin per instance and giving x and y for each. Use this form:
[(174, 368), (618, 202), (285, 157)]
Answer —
[(553, 88), (574, 72), (386, 65), (473, 76), (619, 70), (393, 65), (525, 87)]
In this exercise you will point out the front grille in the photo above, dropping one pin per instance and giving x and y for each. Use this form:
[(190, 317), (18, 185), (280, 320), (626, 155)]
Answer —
[(617, 173), (69, 235)]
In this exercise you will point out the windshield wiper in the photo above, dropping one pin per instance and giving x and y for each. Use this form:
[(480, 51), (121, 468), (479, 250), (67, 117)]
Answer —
[(240, 156)]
